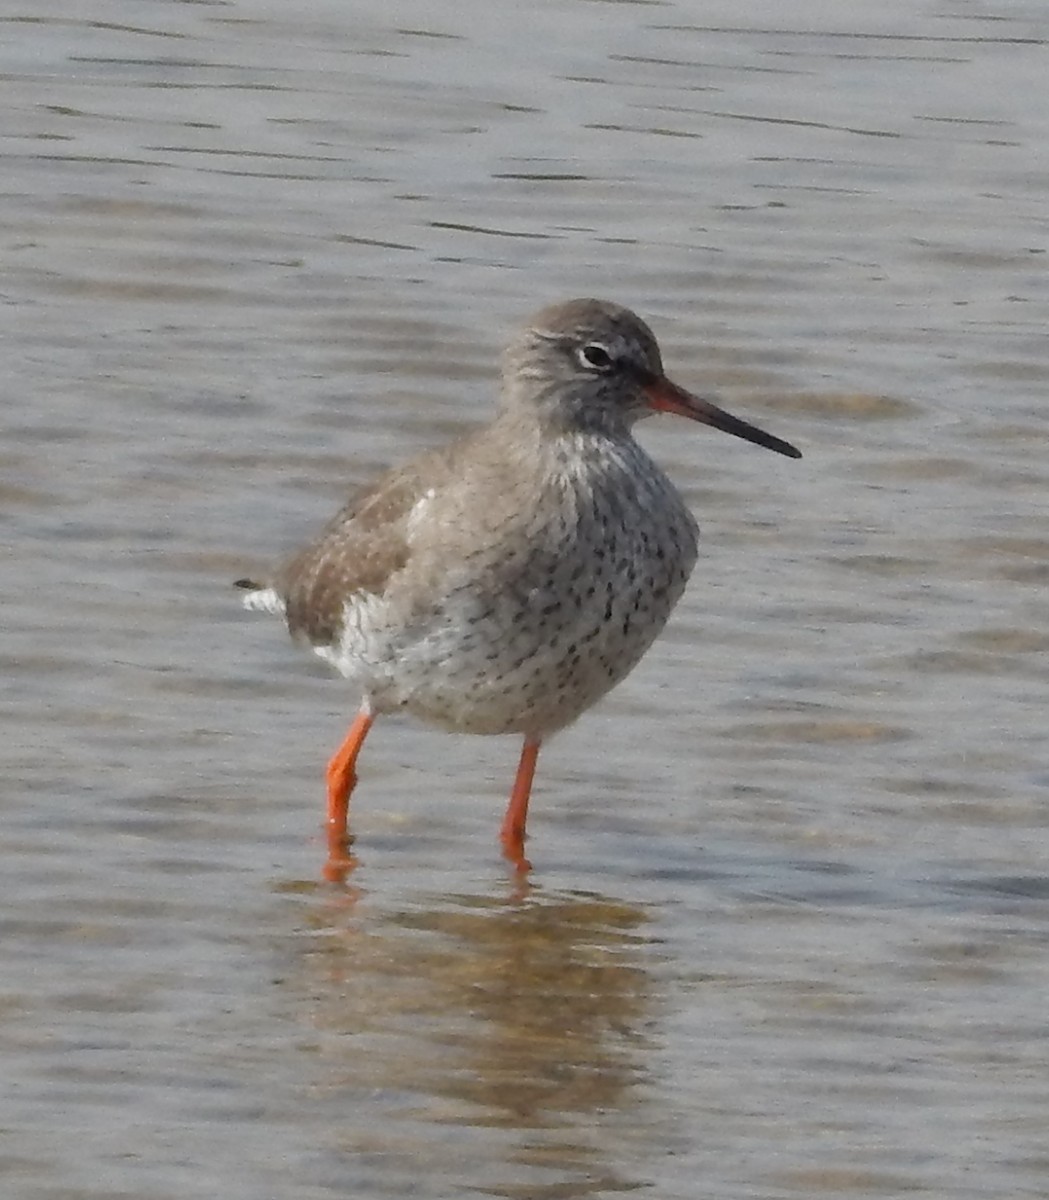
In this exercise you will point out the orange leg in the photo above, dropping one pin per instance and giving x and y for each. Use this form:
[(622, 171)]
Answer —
[(513, 830), (342, 777)]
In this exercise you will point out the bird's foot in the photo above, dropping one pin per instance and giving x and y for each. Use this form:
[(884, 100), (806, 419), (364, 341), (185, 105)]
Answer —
[(513, 852), (340, 860)]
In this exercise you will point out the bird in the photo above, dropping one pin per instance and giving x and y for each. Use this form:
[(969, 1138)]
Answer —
[(503, 583)]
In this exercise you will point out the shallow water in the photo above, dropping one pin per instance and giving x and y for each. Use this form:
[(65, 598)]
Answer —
[(786, 932)]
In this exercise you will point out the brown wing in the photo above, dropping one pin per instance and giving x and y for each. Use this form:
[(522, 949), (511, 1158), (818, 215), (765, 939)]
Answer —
[(358, 551)]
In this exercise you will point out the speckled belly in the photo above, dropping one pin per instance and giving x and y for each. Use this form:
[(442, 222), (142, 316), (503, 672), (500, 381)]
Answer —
[(532, 651)]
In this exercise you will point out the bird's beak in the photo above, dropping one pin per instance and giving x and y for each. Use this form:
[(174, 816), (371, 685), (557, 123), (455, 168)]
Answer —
[(664, 396)]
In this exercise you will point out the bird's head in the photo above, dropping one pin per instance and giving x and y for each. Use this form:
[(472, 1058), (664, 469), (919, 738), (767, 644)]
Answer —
[(593, 365)]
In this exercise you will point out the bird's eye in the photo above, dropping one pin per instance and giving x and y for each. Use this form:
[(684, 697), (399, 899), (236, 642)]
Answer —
[(594, 357)]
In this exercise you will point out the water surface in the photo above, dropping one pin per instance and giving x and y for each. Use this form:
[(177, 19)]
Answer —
[(786, 933)]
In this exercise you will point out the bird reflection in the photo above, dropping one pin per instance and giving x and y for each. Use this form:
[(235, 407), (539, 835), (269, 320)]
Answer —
[(521, 1026)]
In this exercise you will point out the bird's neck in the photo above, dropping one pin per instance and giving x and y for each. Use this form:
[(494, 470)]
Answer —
[(534, 446), (553, 411)]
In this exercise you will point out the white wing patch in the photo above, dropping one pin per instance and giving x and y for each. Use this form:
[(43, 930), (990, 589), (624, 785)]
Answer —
[(265, 600), (418, 514), (362, 641)]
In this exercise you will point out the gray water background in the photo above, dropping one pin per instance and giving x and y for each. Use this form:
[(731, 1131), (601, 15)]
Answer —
[(786, 935)]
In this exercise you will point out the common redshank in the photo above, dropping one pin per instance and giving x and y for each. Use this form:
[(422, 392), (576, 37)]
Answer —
[(507, 581)]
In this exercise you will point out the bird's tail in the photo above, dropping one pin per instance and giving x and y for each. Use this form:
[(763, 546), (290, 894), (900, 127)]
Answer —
[(260, 597)]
